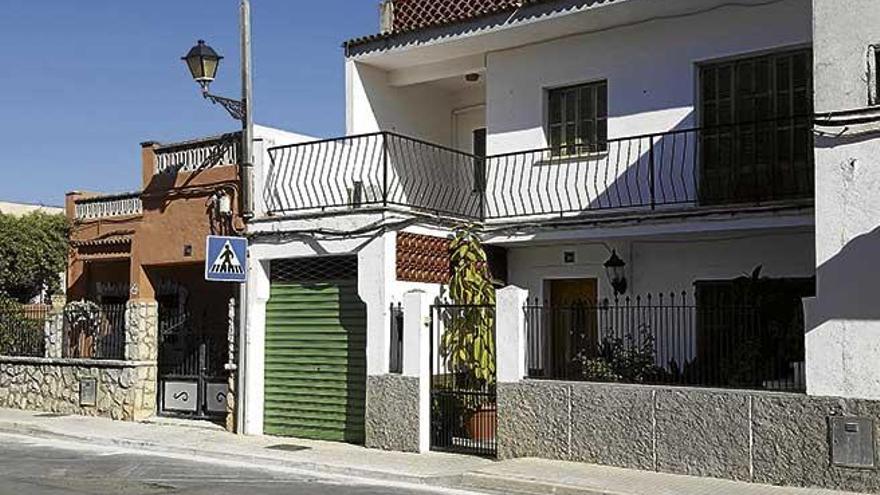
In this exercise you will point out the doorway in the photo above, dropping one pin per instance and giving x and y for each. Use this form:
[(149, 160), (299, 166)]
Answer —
[(574, 325)]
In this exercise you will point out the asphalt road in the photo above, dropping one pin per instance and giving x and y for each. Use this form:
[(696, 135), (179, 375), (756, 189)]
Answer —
[(35, 466)]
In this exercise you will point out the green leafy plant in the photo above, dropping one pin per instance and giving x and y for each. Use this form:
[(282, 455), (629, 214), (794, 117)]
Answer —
[(468, 344), (621, 360), (33, 251)]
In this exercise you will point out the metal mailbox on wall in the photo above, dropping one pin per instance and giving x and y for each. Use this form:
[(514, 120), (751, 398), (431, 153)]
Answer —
[(852, 442)]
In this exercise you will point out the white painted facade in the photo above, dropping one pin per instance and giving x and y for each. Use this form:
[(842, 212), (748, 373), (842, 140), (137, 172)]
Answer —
[(843, 350), (649, 53)]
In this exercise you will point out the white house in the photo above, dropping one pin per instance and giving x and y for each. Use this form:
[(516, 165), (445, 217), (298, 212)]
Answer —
[(642, 172)]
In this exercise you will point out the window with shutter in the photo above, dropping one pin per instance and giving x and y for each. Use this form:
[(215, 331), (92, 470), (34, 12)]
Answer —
[(578, 119), (757, 118)]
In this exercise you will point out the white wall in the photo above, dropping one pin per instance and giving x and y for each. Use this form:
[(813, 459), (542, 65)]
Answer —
[(375, 279), (665, 264), (651, 69), (660, 266), (843, 348), (420, 111)]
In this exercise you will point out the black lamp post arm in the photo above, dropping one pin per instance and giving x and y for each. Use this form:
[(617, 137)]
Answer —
[(236, 108)]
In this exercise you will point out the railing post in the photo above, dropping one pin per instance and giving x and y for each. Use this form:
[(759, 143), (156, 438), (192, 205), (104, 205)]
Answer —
[(417, 357), (384, 137), (510, 334), (54, 335), (652, 177)]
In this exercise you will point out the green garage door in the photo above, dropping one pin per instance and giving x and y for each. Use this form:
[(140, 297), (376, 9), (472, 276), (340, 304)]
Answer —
[(315, 351)]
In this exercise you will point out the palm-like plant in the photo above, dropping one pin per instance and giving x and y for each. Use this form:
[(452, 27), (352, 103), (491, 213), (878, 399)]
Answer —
[(468, 345)]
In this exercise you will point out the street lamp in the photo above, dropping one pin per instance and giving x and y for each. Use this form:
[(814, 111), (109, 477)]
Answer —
[(203, 63)]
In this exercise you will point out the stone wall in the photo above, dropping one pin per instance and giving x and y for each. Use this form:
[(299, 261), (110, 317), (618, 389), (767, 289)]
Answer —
[(392, 416), (142, 331), (125, 390), (769, 438)]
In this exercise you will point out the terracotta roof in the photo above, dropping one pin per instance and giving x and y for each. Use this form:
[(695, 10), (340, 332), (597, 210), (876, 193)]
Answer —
[(411, 15)]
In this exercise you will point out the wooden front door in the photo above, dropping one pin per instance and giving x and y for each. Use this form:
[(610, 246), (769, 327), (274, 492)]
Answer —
[(574, 327)]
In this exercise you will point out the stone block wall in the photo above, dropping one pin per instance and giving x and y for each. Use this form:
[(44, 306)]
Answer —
[(142, 331), (392, 416), (760, 437), (125, 390)]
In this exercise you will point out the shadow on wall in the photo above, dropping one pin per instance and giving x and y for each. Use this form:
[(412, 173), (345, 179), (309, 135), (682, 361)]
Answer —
[(849, 283)]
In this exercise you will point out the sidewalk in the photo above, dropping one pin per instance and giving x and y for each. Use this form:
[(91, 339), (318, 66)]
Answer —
[(524, 476)]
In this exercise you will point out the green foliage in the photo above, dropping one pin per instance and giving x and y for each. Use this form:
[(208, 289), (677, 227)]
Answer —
[(621, 360), (33, 251), (468, 345)]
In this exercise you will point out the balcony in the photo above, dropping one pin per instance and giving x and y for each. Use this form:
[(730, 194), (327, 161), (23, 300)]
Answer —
[(758, 164), (118, 205)]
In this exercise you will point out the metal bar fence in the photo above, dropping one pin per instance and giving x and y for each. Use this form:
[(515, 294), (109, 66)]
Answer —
[(23, 330), (94, 332), (754, 163), (665, 340), (463, 406), (396, 347)]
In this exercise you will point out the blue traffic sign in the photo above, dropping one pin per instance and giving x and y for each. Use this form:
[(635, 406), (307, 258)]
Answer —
[(226, 259)]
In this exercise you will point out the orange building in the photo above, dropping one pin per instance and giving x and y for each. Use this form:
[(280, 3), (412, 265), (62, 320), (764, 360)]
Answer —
[(149, 246)]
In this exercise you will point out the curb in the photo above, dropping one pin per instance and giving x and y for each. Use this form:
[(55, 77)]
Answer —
[(475, 480), (32, 430), (507, 484)]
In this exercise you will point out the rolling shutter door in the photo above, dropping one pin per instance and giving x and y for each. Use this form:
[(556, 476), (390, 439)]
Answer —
[(315, 373)]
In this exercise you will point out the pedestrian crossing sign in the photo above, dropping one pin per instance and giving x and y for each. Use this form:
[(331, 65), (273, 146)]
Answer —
[(226, 259)]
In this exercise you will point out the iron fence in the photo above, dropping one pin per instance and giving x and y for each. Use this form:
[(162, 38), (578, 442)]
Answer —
[(666, 340), (463, 391), (94, 331), (23, 330), (754, 163), (396, 347)]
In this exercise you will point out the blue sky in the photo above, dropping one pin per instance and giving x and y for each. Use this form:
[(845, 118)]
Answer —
[(83, 82)]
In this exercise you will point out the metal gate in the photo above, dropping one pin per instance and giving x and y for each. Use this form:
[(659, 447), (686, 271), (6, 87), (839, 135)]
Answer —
[(193, 381), (316, 341), (463, 392)]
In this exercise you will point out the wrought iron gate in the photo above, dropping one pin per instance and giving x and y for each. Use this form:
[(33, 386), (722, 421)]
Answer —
[(463, 392), (192, 378)]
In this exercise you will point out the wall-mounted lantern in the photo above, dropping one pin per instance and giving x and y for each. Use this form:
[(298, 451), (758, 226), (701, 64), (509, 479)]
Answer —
[(615, 269)]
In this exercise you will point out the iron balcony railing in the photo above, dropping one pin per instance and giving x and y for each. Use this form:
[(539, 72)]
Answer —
[(381, 169), (118, 205), (756, 163)]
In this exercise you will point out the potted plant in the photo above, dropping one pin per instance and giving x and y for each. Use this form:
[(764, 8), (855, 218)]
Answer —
[(468, 344)]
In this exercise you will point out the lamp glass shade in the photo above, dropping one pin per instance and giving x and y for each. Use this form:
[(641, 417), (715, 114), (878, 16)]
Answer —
[(202, 62), (615, 268)]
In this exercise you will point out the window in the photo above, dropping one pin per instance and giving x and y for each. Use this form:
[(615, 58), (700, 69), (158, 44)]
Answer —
[(757, 116), (578, 119)]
